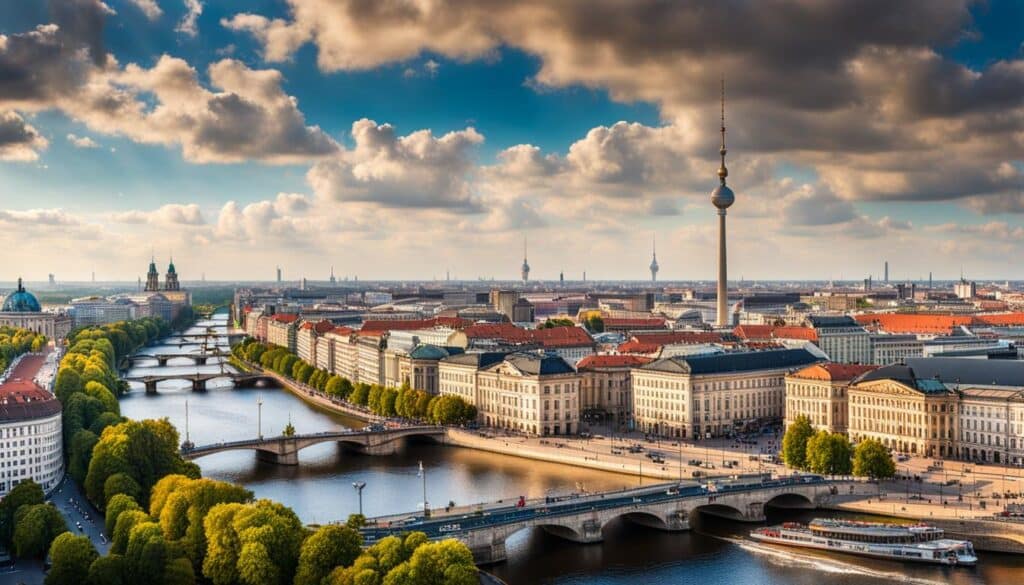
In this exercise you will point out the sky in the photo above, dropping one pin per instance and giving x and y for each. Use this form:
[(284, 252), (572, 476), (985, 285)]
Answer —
[(403, 139)]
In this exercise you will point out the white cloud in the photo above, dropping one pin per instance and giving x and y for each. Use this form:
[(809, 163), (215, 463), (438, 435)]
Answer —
[(148, 7), (172, 214), (82, 141), (418, 170), (188, 24)]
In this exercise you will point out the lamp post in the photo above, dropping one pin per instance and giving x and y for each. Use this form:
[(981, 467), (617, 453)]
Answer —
[(422, 473), (259, 416), (359, 485)]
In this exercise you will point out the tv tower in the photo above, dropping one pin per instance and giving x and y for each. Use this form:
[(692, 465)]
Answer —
[(526, 265), (722, 197), (654, 260)]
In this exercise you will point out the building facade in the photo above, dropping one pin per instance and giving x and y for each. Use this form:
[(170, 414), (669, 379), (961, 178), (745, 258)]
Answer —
[(606, 387), (282, 329), (895, 349), (714, 395), (843, 339), (31, 439), (819, 393)]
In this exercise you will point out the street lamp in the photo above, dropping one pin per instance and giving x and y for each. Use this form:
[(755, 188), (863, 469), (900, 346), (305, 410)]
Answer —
[(259, 416), (359, 485), (422, 473)]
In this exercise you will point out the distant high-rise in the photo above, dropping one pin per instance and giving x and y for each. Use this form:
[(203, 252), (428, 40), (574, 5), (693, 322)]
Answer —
[(654, 260), (333, 280), (561, 277), (279, 275), (886, 272), (526, 265), (152, 277), (722, 197), (53, 281)]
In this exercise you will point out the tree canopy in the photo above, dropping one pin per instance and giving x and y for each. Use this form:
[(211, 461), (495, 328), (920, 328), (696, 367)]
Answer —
[(794, 442), (872, 459)]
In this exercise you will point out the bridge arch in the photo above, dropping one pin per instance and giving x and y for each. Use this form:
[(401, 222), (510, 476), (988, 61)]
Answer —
[(722, 511), (562, 531), (643, 518), (791, 500)]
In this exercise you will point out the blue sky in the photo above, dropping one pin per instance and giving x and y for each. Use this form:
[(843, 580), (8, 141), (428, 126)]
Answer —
[(885, 139)]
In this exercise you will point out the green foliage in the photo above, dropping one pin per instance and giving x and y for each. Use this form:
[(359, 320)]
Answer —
[(360, 395), (108, 570), (104, 395), (289, 430), (143, 450), (116, 506), (26, 493), (126, 521), (595, 324), (872, 459), (254, 544), (412, 561), (70, 558), (35, 527), (355, 521), (80, 452), (794, 442), (552, 323), (829, 453), (328, 547), (121, 483)]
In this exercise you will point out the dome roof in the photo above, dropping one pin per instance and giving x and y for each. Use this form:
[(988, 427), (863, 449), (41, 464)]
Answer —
[(21, 301), (722, 197)]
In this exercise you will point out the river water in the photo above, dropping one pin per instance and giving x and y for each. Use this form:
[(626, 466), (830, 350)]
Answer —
[(320, 490)]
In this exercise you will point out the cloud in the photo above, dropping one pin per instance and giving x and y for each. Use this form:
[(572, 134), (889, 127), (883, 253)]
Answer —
[(82, 141), (149, 8), (19, 141), (246, 116), (172, 214), (418, 170), (860, 92), (188, 24), (39, 218)]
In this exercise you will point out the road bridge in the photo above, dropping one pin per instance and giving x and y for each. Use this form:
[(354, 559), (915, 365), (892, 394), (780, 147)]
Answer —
[(284, 450), (200, 380), (198, 359), (582, 519)]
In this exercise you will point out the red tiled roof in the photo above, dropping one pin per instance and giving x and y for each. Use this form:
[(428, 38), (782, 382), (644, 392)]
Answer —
[(1000, 319), (763, 332), (504, 331), (912, 323), (285, 318), (562, 337), (21, 398), (833, 372), (612, 361), (342, 330)]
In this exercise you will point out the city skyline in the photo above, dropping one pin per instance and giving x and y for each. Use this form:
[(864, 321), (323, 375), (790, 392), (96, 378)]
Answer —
[(244, 137)]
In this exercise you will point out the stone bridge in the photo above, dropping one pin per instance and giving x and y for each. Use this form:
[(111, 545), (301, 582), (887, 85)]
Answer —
[(582, 519), (198, 359), (200, 380), (284, 450)]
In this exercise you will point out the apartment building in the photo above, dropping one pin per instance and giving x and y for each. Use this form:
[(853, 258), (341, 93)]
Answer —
[(819, 393)]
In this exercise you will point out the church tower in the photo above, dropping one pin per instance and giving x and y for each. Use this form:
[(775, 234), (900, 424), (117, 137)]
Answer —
[(152, 277), (172, 278)]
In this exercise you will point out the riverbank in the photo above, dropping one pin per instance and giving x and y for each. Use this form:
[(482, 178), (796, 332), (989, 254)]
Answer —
[(312, 396)]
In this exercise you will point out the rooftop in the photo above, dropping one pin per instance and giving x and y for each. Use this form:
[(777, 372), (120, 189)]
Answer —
[(611, 361), (21, 398), (735, 362), (833, 372)]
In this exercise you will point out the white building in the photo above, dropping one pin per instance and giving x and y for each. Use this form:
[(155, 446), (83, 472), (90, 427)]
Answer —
[(31, 443), (714, 395), (895, 349), (842, 338)]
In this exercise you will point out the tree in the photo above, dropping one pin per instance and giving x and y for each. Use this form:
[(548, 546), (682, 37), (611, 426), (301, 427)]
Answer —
[(552, 323), (256, 544), (872, 459), (289, 430), (126, 521), (104, 395), (386, 406), (333, 387), (35, 527), (26, 493), (70, 558), (595, 324), (121, 483), (116, 506), (794, 442), (68, 382), (108, 570), (360, 394), (330, 546), (373, 398), (180, 503), (355, 521), (829, 453)]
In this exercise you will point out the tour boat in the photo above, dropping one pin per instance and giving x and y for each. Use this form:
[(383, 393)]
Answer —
[(917, 542)]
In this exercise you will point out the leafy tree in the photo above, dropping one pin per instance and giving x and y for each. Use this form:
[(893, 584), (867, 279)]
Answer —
[(333, 387), (289, 430), (330, 546), (373, 399), (829, 453), (35, 527), (345, 388), (595, 324), (121, 483), (70, 558), (108, 570), (386, 406), (104, 395), (552, 323), (116, 506), (126, 521), (26, 493), (355, 521), (872, 459), (360, 394), (794, 442), (181, 503), (255, 543), (68, 382)]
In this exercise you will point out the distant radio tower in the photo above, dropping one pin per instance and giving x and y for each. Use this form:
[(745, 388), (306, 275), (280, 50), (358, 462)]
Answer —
[(654, 260), (722, 197)]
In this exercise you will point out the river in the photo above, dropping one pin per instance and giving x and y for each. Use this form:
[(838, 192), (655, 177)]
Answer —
[(320, 490)]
